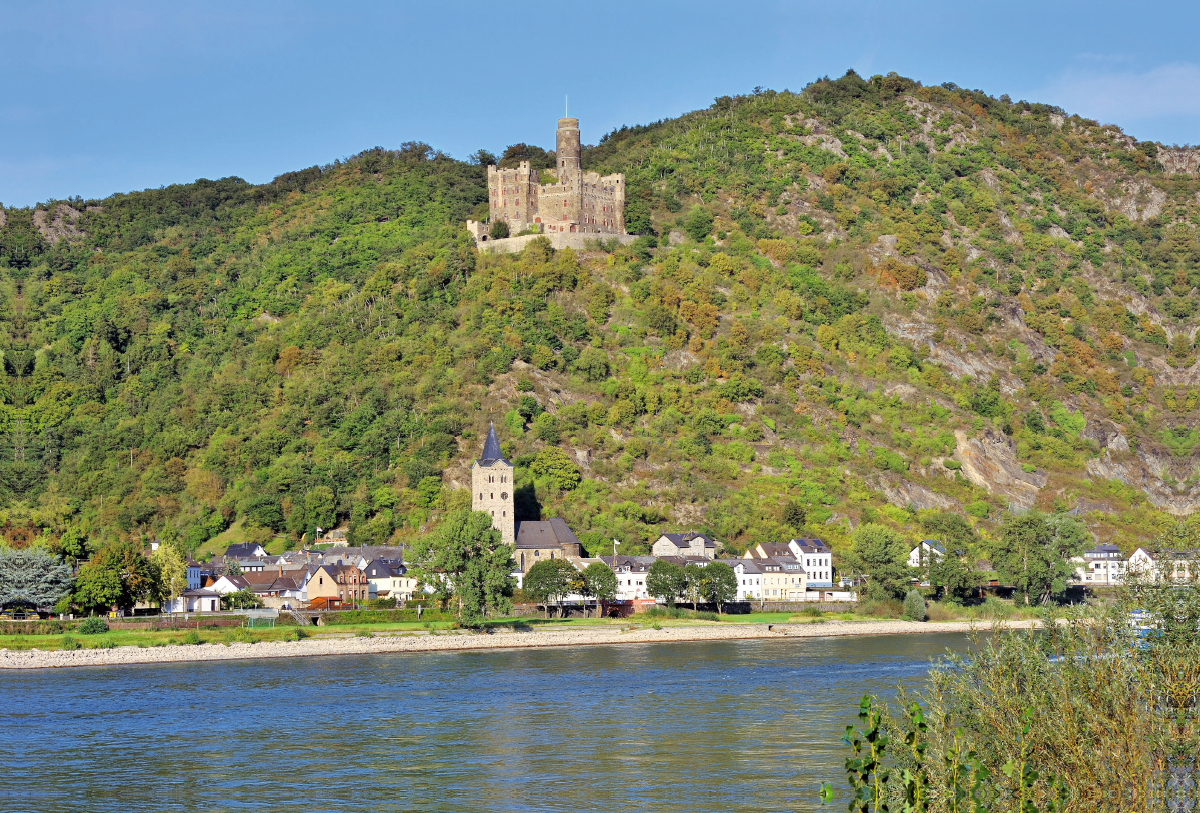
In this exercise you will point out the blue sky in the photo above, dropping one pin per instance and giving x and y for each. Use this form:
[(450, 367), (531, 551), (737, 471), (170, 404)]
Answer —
[(97, 98)]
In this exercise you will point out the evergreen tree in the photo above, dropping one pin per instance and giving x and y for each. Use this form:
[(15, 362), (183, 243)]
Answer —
[(32, 577)]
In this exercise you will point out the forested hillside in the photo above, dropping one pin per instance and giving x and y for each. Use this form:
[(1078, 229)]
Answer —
[(870, 300)]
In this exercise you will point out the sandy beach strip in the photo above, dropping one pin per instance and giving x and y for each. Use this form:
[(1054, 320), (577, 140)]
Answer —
[(471, 641)]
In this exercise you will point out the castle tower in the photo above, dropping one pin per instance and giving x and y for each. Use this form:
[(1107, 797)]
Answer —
[(492, 487), (567, 150)]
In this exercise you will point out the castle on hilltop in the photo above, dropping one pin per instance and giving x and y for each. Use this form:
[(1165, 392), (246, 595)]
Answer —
[(574, 202)]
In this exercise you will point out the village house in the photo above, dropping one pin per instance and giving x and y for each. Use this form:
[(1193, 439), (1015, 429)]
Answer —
[(685, 544), (749, 576), (783, 579), (194, 600), (631, 576), (925, 553), (390, 580), (244, 550), (817, 559), (344, 582), (1176, 566), (1102, 565)]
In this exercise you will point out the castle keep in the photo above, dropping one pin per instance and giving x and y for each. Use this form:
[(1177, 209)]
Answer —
[(574, 202)]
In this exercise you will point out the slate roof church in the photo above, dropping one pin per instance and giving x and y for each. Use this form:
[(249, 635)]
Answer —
[(492, 493)]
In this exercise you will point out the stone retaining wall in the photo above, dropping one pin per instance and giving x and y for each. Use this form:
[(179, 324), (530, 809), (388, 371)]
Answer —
[(579, 242)]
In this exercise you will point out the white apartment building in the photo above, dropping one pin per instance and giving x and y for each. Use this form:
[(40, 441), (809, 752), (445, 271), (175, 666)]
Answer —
[(817, 559), (1101, 565)]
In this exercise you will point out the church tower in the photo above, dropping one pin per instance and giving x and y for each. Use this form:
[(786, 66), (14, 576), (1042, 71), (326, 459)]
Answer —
[(492, 487)]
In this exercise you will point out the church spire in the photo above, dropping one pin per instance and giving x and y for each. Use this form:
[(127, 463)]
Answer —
[(491, 446)]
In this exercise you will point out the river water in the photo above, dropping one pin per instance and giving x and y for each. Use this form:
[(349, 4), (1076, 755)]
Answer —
[(719, 726)]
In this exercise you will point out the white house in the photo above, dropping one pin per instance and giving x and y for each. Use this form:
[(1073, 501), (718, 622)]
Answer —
[(749, 576), (1166, 565), (631, 575), (817, 559), (195, 600), (390, 578), (229, 584), (685, 544), (1103, 564), (925, 553)]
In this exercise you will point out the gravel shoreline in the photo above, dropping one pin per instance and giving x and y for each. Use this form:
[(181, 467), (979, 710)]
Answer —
[(461, 642)]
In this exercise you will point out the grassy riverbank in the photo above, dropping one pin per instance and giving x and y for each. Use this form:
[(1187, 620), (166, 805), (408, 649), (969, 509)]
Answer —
[(517, 635), (654, 620)]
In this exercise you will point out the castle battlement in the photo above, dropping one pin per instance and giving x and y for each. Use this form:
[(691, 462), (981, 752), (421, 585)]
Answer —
[(578, 203)]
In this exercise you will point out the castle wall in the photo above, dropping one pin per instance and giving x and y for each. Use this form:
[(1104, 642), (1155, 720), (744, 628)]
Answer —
[(577, 241), (513, 195)]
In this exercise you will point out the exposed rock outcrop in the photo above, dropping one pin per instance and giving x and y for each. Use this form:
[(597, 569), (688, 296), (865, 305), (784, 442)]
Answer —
[(990, 461), (59, 225), (1184, 162), (903, 493), (1149, 471)]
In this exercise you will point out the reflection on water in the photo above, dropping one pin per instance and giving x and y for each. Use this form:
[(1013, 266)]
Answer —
[(725, 726)]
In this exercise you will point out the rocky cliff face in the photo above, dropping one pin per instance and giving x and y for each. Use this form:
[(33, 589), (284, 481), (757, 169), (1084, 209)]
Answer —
[(990, 461)]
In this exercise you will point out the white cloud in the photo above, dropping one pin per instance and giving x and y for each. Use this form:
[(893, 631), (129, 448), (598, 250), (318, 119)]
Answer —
[(1123, 97)]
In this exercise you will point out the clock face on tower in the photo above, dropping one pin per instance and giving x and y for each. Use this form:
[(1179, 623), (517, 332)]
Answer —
[(504, 495)]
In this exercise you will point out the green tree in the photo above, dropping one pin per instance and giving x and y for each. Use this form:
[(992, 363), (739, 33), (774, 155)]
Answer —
[(553, 465), (320, 506), (883, 556), (593, 364), (1032, 552), (499, 230), (549, 581), (467, 558), (117, 576), (243, 599), (795, 515), (665, 581), (32, 577), (955, 574), (695, 583), (699, 223), (600, 582), (545, 427), (720, 582), (171, 565), (73, 544)]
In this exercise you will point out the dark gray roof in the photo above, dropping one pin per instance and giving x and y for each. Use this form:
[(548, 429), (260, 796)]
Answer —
[(491, 449), (241, 550), (543, 534), (812, 545), (935, 545), (688, 536)]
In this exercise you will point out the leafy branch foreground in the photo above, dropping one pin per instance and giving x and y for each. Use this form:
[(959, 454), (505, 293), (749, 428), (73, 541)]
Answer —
[(1095, 713)]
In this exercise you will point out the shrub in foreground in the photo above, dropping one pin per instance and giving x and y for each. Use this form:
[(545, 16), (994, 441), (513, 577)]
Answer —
[(914, 606), (1096, 711), (92, 626)]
